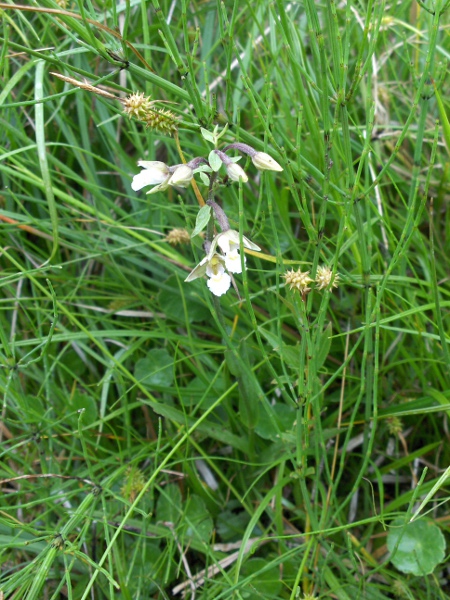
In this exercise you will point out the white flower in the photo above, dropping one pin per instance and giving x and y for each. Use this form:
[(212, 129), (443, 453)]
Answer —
[(213, 266), (235, 172), (181, 176), (154, 172), (228, 242), (264, 162), (219, 281)]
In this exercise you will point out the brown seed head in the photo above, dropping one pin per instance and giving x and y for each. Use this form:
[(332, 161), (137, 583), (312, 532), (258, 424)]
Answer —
[(178, 236)]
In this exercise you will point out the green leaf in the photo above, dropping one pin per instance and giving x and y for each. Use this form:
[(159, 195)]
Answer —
[(197, 522), (249, 388), (323, 346), (444, 120), (31, 406), (168, 509), (416, 547), (82, 401), (204, 177), (202, 220), (249, 392), (232, 522), (214, 161), (175, 308), (201, 394), (156, 369), (281, 420), (263, 582), (207, 135)]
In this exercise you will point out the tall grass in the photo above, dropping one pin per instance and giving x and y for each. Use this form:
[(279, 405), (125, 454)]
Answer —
[(157, 441)]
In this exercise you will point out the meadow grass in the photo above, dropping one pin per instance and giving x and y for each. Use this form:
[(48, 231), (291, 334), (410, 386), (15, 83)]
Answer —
[(158, 441)]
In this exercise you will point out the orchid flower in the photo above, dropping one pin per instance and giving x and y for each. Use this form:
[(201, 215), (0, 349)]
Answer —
[(156, 172), (214, 267)]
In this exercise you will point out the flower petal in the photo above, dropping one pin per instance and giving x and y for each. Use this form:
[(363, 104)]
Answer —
[(228, 240), (198, 271), (250, 245), (161, 187), (154, 172), (155, 165)]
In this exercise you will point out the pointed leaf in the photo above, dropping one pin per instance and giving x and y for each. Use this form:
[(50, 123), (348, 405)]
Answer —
[(214, 161), (202, 220)]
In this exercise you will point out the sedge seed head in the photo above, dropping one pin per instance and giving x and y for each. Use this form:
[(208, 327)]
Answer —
[(137, 105), (178, 236), (133, 484), (394, 425), (399, 589), (164, 121), (298, 280), (323, 278)]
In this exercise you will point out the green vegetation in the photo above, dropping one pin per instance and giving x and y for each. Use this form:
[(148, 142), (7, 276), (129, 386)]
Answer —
[(159, 441)]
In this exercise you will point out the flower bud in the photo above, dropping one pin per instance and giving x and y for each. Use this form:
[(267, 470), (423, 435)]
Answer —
[(264, 162), (182, 176), (235, 172)]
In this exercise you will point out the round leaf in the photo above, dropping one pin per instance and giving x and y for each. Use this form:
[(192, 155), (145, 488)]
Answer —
[(263, 582), (156, 369), (421, 546)]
